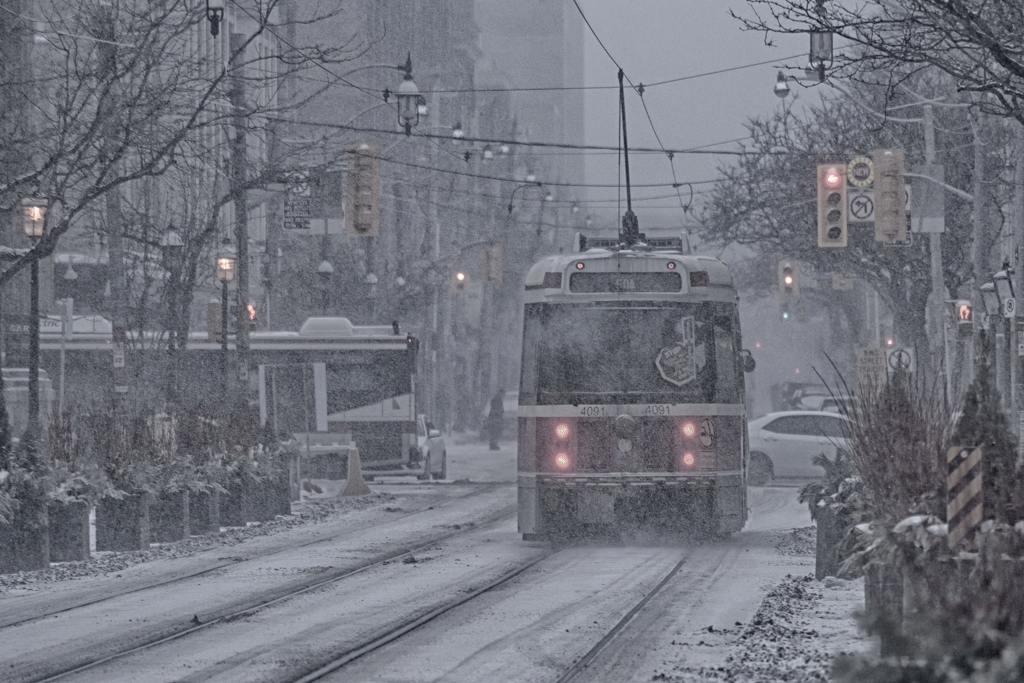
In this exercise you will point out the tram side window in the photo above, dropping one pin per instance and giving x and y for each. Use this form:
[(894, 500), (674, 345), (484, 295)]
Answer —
[(725, 359)]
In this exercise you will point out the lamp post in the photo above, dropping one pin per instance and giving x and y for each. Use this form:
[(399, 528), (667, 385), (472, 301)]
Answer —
[(325, 270), (215, 15), (411, 105), (34, 219), (225, 262)]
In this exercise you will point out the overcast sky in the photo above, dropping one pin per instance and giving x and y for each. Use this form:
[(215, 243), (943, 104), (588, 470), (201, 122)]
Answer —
[(656, 40)]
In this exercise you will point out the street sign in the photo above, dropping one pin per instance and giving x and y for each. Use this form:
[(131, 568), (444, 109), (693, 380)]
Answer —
[(296, 202), (899, 359), (1009, 308), (890, 211), (861, 203), (871, 370), (860, 172)]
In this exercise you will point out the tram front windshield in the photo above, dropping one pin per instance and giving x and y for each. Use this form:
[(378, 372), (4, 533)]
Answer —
[(646, 352)]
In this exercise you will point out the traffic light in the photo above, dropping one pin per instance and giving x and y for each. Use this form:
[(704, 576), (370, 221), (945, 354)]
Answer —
[(460, 281), (787, 313), (789, 280), (832, 205)]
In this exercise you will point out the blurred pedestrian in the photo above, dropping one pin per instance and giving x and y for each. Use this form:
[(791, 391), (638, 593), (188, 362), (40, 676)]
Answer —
[(496, 418)]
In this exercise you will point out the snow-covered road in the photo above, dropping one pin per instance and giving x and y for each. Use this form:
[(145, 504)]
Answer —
[(532, 627)]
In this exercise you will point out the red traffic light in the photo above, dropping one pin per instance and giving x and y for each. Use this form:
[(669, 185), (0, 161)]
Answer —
[(833, 177)]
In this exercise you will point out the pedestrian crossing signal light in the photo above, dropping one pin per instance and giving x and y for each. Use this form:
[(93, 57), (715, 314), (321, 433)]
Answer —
[(832, 219), (789, 280), (964, 313)]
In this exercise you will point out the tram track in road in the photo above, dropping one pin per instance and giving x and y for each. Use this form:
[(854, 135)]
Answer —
[(268, 599), (583, 662), (352, 654), (236, 562)]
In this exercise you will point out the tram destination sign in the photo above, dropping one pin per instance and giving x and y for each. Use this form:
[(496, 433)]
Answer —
[(586, 283)]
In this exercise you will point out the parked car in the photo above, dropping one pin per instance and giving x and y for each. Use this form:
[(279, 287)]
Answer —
[(784, 444), (431, 446)]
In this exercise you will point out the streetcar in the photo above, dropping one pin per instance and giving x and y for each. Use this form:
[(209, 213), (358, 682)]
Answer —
[(631, 401)]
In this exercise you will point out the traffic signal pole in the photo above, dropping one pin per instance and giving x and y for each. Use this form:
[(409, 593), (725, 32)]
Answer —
[(239, 194)]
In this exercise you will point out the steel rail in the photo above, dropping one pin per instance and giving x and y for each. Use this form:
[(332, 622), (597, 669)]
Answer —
[(355, 653), (583, 662), (275, 598), (235, 562)]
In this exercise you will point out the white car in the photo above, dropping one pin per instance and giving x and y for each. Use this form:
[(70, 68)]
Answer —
[(784, 444), (431, 446)]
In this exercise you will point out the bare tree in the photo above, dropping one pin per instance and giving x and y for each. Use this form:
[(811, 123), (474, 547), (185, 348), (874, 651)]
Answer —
[(979, 43)]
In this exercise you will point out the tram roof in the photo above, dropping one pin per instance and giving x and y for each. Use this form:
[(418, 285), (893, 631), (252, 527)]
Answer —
[(540, 280)]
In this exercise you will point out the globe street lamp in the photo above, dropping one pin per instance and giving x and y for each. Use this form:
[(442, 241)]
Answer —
[(34, 220), (411, 105), (225, 261), (171, 249)]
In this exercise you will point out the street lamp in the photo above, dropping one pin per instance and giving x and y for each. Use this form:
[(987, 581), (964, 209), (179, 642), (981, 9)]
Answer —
[(1003, 284), (781, 86), (990, 298), (488, 153), (530, 184), (225, 261), (215, 14), (410, 103), (325, 270), (34, 220), (457, 133)]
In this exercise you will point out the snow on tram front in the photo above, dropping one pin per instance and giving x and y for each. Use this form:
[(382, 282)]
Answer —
[(631, 402)]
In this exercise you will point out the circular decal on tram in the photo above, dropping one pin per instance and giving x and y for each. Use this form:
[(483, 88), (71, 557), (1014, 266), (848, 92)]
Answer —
[(677, 362)]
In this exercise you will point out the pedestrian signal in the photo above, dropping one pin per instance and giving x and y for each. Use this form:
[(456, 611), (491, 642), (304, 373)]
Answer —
[(789, 280), (832, 219), (964, 312)]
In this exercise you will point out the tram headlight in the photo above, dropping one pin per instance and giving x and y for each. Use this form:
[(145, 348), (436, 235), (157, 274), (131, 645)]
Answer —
[(562, 461), (562, 431), (689, 430), (689, 460)]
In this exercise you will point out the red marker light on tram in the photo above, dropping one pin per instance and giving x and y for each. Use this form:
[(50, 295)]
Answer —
[(562, 461), (689, 430), (579, 265), (688, 460), (671, 265), (562, 431)]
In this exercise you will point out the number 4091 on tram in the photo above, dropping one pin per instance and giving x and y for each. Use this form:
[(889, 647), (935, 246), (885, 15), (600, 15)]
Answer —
[(631, 401)]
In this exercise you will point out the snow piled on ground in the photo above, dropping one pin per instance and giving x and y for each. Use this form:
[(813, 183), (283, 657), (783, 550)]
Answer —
[(311, 512), (801, 625)]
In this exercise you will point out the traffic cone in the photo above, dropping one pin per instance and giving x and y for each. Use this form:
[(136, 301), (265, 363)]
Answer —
[(355, 486)]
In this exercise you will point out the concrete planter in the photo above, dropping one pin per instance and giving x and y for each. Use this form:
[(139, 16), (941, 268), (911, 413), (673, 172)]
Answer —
[(282, 488), (204, 513), (883, 603), (69, 531), (25, 544), (123, 524), (829, 537), (236, 506), (169, 517)]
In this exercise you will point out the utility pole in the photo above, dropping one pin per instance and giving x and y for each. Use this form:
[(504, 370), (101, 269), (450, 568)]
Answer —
[(1017, 330), (979, 248), (239, 197), (107, 50), (936, 305)]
